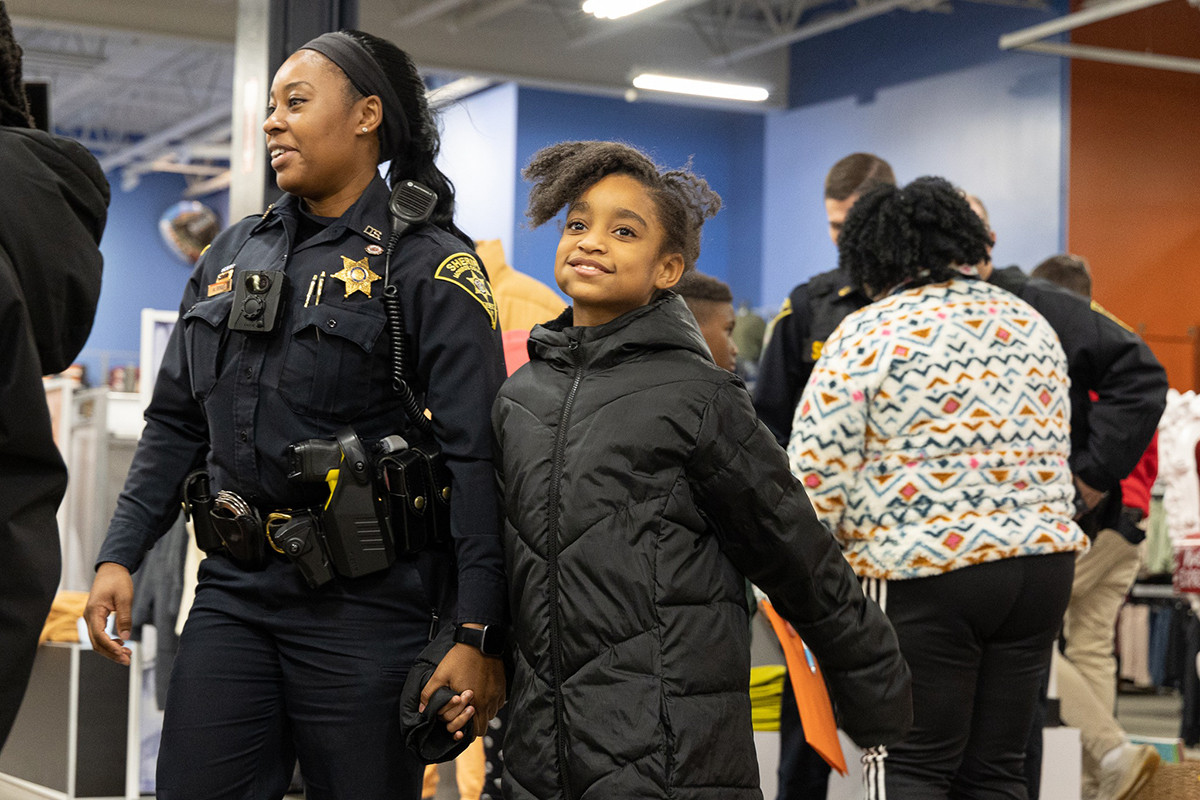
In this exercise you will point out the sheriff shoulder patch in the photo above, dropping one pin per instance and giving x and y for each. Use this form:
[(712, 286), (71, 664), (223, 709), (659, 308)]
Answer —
[(463, 271)]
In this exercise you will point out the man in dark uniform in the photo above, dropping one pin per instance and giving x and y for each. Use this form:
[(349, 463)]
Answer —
[(808, 316), (814, 308), (52, 213), (1109, 434)]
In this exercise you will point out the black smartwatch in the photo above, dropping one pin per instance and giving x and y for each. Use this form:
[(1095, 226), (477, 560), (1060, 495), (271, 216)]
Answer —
[(489, 640)]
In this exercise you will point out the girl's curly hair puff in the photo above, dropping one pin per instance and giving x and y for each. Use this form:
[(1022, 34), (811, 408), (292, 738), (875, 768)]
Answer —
[(917, 233), (562, 172)]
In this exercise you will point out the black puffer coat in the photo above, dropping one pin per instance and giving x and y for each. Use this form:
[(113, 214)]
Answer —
[(640, 487)]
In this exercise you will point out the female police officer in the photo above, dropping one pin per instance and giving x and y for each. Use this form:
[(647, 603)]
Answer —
[(269, 669)]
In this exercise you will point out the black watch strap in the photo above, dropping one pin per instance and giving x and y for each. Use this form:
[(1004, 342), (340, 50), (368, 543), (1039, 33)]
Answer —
[(489, 639)]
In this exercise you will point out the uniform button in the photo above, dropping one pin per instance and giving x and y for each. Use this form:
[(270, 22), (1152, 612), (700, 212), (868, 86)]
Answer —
[(245, 437), (249, 373), (332, 323)]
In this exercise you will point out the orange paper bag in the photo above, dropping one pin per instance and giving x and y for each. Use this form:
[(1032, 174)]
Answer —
[(816, 712)]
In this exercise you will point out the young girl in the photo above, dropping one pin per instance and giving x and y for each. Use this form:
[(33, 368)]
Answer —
[(640, 487)]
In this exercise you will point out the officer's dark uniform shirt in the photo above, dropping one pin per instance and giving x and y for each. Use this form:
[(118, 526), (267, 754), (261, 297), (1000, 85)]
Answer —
[(812, 311), (238, 400)]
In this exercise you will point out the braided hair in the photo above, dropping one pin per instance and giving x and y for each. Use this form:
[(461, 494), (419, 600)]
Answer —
[(915, 234), (14, 105), (562, 172), (415, 159)]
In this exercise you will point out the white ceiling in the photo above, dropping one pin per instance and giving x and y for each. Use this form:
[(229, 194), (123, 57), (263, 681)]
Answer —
[(148, 83)]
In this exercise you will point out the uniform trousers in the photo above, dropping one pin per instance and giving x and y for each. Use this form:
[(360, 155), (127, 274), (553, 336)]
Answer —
[(977, 640), (270, 671)]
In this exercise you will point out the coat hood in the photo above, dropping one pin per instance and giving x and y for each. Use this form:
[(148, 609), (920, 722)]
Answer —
[(50, 226), (665, 323)]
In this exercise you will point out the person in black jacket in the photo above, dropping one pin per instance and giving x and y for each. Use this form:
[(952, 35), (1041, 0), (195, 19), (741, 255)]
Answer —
[(810, 313), (639, 488), (271, 669), (1118, 393), (52, 213)]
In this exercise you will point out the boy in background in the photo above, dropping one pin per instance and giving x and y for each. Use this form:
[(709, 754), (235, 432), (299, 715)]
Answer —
[(711, 303)]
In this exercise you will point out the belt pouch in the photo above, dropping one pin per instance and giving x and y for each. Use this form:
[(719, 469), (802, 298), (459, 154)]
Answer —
[(198, 501), (406, 499), (242, 536), (438, 520)]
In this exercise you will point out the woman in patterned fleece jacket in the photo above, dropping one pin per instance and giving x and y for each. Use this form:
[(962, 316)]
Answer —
[(933, 439)]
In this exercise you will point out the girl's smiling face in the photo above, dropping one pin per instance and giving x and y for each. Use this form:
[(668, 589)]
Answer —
[(610, 257)]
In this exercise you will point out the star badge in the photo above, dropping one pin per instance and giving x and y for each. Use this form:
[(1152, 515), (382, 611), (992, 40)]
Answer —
[(357, 276)]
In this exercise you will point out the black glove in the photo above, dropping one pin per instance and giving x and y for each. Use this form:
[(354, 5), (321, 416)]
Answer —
[(425, 732)]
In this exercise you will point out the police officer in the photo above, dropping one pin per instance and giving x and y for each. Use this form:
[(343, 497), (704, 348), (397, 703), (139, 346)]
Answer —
[(815, 308), (794, 340), (283, 337)]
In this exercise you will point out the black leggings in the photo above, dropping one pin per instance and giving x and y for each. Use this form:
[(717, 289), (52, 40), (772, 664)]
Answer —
[(977, 640)]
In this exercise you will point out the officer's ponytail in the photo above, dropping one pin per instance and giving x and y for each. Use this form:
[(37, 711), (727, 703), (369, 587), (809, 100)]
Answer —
[(417, 149), (14, 106)]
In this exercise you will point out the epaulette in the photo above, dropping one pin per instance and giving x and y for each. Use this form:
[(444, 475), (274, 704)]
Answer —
[(1099, 309)]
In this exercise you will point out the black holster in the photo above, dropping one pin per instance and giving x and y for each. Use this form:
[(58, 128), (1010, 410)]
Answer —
[(198, 504)]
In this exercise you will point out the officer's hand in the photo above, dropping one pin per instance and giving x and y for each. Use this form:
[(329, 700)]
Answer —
[(112, 593), (478, 679), (1091, 497)]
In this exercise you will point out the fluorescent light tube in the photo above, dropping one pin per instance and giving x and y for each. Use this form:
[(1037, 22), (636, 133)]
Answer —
[(614, 9), (724, 91)]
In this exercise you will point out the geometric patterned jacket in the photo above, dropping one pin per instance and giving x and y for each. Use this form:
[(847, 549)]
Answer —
[(935, 430)]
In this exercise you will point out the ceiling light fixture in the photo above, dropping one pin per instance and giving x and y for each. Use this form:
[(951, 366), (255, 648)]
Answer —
[(614, 9), (723, 91)]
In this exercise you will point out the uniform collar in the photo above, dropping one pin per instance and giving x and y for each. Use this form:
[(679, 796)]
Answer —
[(367, 218)]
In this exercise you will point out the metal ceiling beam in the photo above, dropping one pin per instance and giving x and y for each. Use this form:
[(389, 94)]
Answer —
[(427, 12), (822, 26), (1113, 55), (151, 144), (489, 12), (1016, 39), (1030, 39)]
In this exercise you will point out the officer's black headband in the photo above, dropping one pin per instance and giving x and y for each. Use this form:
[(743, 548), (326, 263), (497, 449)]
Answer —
[(368, 78)]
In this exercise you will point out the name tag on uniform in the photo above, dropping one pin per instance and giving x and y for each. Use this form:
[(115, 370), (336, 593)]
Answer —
[(223, 283)]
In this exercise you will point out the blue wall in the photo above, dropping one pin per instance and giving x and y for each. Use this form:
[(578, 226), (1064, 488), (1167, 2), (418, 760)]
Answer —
[(726, 148), (932, 94), (140, 271), (479, 141)]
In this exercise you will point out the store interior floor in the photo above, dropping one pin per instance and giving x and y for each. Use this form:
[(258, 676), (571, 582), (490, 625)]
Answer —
[(1143, 714)]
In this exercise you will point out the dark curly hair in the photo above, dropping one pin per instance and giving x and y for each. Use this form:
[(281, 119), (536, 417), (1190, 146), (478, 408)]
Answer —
[(562, 172), (14, 105), (916, 233), (416, 158), (704, 288)]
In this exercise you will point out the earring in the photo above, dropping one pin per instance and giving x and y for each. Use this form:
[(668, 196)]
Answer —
[(365, 129)]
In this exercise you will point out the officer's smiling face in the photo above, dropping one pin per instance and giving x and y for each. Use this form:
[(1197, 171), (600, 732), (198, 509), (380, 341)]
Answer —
[(610, 257), (312, 128)]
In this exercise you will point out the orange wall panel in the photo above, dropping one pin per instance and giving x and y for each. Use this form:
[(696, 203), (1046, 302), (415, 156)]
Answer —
[(1134, 181)]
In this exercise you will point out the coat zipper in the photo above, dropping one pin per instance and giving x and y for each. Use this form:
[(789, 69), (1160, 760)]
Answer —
[(560, 446)]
